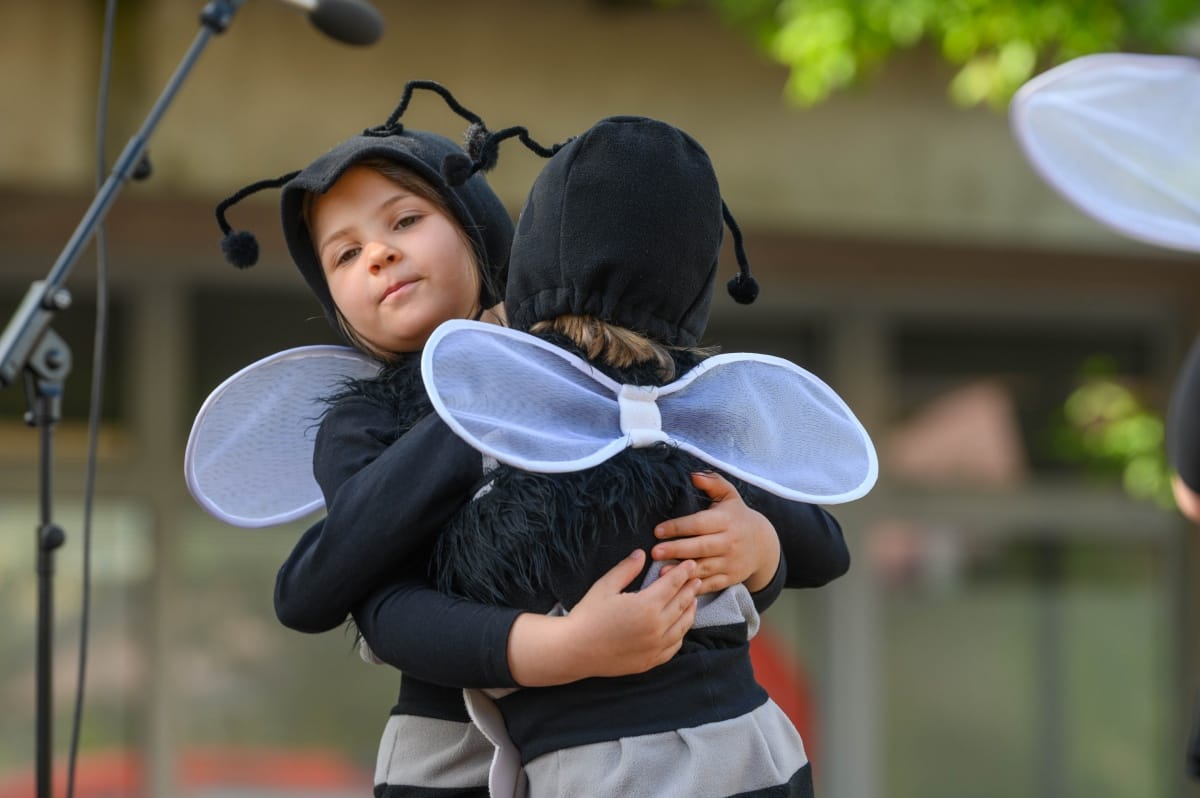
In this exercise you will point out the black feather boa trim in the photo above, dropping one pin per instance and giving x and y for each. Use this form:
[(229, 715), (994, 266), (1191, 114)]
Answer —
[(398, 387), (533, 540)]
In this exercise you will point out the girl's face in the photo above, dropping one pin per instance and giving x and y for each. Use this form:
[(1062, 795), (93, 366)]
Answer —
[(397, 266)]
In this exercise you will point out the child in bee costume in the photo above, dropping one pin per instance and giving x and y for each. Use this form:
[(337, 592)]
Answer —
[(352, 430), (598, 406)]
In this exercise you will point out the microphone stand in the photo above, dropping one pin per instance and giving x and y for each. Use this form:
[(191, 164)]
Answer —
[(28, 345)]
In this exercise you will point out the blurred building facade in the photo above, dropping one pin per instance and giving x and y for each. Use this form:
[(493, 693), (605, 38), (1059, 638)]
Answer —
[(1013, 623)]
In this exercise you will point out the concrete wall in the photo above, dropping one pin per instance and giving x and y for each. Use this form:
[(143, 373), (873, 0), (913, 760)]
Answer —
[(894, 158)]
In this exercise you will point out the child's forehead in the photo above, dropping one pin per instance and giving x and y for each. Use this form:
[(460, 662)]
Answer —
[(359, 184), (361, 192)]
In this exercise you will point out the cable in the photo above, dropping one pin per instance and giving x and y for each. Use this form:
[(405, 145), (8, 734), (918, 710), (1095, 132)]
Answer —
[(97, 395)]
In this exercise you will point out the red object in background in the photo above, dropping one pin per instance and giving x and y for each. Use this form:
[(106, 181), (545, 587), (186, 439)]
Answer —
[(120, 773), (786, 682)]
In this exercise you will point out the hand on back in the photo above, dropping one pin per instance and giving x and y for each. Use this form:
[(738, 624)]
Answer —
[(729, 542), (609, 632)]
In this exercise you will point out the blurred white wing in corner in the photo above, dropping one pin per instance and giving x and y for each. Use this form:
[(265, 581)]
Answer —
[(1118, 135), (249, 455)]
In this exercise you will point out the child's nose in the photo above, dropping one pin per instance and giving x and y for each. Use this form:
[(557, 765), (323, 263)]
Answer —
[(379, 255)]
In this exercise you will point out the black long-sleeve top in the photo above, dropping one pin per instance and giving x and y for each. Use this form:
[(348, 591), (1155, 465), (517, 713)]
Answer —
[(539, 541), (389, 489)]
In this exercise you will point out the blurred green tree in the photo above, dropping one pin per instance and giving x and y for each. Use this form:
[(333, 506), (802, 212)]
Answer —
[(1106, 428), (996, 44)]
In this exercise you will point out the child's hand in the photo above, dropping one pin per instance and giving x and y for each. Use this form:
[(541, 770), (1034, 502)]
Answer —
[(623, 633), (730, 542), (608, 633)]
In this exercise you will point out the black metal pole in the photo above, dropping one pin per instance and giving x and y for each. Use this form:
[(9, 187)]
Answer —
[(28, 346), (45, 377)]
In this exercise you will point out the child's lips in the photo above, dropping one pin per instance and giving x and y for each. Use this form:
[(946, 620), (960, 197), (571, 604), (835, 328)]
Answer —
[(400, 288)]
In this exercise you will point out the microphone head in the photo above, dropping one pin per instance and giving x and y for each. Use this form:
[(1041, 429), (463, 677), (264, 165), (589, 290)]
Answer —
[(348, 21)]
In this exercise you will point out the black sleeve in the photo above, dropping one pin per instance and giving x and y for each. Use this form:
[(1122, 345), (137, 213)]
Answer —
[(810, 539), (765, 597), (1183, 421), (383, 502), (436, 637)]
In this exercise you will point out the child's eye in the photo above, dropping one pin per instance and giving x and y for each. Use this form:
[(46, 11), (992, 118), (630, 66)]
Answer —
[(407, 221), (345, 256)]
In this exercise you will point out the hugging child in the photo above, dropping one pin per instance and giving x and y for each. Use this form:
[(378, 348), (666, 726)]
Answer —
[(610, 283), (391, 249)]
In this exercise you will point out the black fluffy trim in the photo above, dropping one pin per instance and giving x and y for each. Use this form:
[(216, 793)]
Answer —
[(533, 540), (398, 387), (474, 141)]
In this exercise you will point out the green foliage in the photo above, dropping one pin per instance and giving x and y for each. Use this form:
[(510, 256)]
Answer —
[(1106, 428), (996, 44)]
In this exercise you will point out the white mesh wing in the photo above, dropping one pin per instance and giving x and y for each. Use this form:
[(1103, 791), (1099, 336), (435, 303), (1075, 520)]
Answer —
[(520, 399), (533, 406), (773, 424), (1116, 134), (249, 455)]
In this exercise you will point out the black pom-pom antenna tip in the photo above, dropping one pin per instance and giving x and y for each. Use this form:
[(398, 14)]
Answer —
[(240, 248)]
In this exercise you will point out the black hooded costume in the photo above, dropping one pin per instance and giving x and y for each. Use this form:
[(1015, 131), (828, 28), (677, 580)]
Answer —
[(624, 224), (393, 475)]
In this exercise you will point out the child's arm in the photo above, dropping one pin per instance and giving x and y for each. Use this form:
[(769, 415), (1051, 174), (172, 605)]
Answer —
[(732, 542), (384, 502), (811, 538), (458, 643)]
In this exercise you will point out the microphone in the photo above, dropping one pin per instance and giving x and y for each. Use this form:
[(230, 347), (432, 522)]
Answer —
[(348, 21)]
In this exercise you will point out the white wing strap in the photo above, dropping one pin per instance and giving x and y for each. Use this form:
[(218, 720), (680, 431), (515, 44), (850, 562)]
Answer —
[(537, 407), (1116, 134), (249, 455)]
